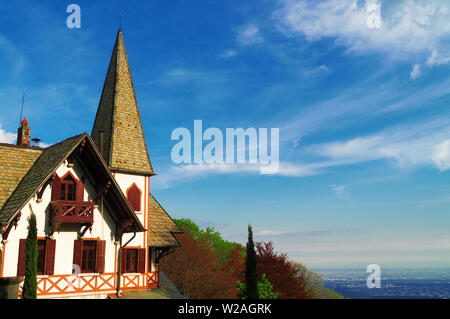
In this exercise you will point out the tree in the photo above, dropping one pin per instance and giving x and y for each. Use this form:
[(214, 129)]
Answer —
[(192, 268), (280, 272), (221, 247), (31, 255), (265, 289), (251, 275), (314, 283), (235, 263)]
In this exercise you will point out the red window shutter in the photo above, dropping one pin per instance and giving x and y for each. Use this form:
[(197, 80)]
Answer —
[(141, 264), (50, 245), (100, 262), (56, 188), (123, 260), (79, 195), (77, 253), (22, 255), (134, 197)]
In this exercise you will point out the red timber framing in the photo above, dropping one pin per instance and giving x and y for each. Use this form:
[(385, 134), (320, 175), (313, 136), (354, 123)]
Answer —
[(63, 285)]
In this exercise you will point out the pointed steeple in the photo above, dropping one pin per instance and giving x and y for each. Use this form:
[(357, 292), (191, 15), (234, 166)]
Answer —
[(118, 128)]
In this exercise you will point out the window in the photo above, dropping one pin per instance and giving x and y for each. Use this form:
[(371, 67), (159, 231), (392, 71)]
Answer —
[(41, 257), (45, 260), (88, 259), (68, 188), (89, 256), (133, 260), (134, 197)]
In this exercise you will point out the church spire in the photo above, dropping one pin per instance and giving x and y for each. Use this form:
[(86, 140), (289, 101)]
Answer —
[(118, 127)]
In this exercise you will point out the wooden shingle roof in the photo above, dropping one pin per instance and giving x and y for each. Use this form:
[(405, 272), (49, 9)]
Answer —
[(161, 226), (15, 162), (124, 147)]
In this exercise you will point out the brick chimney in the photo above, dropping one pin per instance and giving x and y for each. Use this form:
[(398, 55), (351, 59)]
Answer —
[(23, 133)]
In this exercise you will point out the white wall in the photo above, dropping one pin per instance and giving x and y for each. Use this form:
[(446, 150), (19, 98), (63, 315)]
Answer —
[(103, 228), (125, 181)]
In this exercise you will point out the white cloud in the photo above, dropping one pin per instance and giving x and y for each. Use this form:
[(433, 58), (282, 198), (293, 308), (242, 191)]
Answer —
[(441, 155), (280, 233), (228, 54), (249, 35), (406, 145), (405, 26), (437, 59), (319, 70), (7, 137), (268, 232), (177, 72), (415, 72), (176, 174), (339, 190)]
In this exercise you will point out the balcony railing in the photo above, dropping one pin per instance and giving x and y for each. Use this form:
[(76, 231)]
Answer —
[(72, 212)]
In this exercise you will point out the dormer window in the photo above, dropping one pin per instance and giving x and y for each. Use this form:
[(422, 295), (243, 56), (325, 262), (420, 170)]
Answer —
[(68, 186)]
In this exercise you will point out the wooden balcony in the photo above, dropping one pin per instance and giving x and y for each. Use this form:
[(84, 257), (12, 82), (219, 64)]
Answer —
[(71, 212)]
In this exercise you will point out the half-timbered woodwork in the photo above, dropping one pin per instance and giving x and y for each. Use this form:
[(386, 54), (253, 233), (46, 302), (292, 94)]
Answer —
[(100, 231)]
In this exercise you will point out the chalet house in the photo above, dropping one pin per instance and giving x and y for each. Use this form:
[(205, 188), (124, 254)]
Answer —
[(100, 231)]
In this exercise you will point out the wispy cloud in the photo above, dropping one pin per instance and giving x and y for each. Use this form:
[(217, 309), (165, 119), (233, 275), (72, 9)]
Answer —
[(415, 72), (441, 155), (339, 190), (316, 71), (407, 29), (279, 233), (409, 145), (174, 175), (228, 54), (407, 26), (14, 56), (249, 35)]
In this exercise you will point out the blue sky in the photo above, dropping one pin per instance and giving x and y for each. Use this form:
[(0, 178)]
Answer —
[(363, 112)]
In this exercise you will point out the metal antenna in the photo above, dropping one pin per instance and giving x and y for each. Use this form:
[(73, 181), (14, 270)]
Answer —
[(21, 110), (120, 21)]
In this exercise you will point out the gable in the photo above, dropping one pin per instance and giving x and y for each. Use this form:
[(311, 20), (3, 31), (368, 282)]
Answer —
[(36, 176), (82, 149)]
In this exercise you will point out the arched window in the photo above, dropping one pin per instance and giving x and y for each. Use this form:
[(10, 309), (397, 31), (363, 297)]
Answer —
[(68, 188), (134, 197)]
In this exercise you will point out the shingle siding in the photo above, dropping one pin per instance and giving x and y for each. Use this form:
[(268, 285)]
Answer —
[(118, 116)]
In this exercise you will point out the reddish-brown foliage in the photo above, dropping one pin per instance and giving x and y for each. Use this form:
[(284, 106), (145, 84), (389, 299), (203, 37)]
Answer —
[(280, 272), (192, 268), (235, 264)]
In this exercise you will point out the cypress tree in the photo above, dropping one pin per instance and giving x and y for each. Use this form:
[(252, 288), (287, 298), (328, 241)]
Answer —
[(251, 276), (31, 255)]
